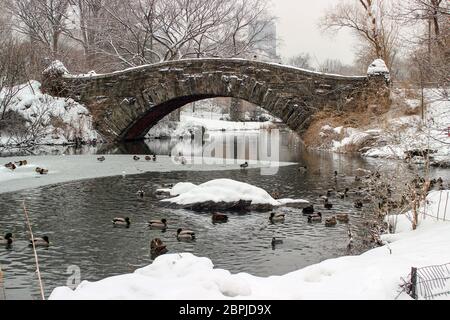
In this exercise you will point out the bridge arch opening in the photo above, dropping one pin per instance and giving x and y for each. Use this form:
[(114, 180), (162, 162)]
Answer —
[(208, 107)]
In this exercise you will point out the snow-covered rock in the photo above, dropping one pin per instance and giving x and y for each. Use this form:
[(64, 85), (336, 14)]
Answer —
[(56, 68), (376, 274), (223, 192)]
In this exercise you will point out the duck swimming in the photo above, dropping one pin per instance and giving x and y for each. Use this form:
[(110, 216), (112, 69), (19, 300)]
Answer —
[(276, 241), (328, 205), (218, 217), (245, 165), (122, 222), (343, 217), (158, 224), (157, 247), (330, 222), (7, 239), (185, 235), (308, 210), (277, 217), (315, 217), (41, 242), (141, 193)]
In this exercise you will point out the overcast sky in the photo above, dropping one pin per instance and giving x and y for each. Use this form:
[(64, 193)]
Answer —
[(297, 26)]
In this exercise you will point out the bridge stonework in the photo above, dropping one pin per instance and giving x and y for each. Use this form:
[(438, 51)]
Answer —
[(126, 104)]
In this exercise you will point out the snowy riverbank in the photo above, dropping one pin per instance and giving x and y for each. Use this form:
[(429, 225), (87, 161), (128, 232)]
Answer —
[(401, 129), (374, 275), (72, 168)]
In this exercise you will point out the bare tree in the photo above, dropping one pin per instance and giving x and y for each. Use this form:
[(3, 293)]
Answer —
[(302, 60), (42, 21), (369, 21)]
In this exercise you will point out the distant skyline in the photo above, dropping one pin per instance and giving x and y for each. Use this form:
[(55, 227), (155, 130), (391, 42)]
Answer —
[(297, 27)]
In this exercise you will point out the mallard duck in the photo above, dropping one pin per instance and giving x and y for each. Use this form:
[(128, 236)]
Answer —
[(343, 217), (218, 217), (11, 166), (42, 171), (154, 158), (101, 159), (122, 222), (40, 242), (136, 158), (277, 217), (157, 247), (275, 195), (7, 239), (276, 241), (245, 165), (158, 224), (315, 217), (328, 206), (185, 234), (308, 210), (303, 169), (22, 163), (148, 158), (141, 193), (358, 204), (330, 222)]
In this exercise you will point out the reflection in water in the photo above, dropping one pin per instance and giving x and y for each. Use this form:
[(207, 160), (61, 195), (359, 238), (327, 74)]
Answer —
[(77, 218)]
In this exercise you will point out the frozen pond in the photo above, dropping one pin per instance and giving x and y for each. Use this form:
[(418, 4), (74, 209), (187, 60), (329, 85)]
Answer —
[(77, 216)]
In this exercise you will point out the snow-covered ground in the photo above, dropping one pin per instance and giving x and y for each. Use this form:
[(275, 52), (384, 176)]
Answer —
[(399, 134), (71, 168), (376, 274), (49, 120), (210, 121)]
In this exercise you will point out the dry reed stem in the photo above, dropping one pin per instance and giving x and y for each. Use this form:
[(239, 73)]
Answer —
[(34, 250)]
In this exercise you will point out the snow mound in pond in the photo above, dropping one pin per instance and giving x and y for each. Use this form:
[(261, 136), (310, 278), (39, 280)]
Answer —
[(221, 190)]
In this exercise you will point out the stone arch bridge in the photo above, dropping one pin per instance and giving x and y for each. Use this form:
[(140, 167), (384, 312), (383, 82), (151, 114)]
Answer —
[(126, 104)]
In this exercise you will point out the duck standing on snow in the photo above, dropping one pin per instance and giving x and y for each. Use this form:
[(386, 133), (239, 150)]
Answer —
[(41, 171), (157, 247), (185, 235), (22, 163), (244, 166), (154, 158), (7, 239), (101, 159), (40, 242), (136, 158), (122, 222), (11, 166), (158, 224), (277, 217), (148, 158)]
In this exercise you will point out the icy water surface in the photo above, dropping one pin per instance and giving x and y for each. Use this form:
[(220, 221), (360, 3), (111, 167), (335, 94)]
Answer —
[(77, 218)]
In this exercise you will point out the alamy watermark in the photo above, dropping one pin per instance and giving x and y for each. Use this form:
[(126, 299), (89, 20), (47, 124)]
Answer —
[(74, 279), (262, 150)]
